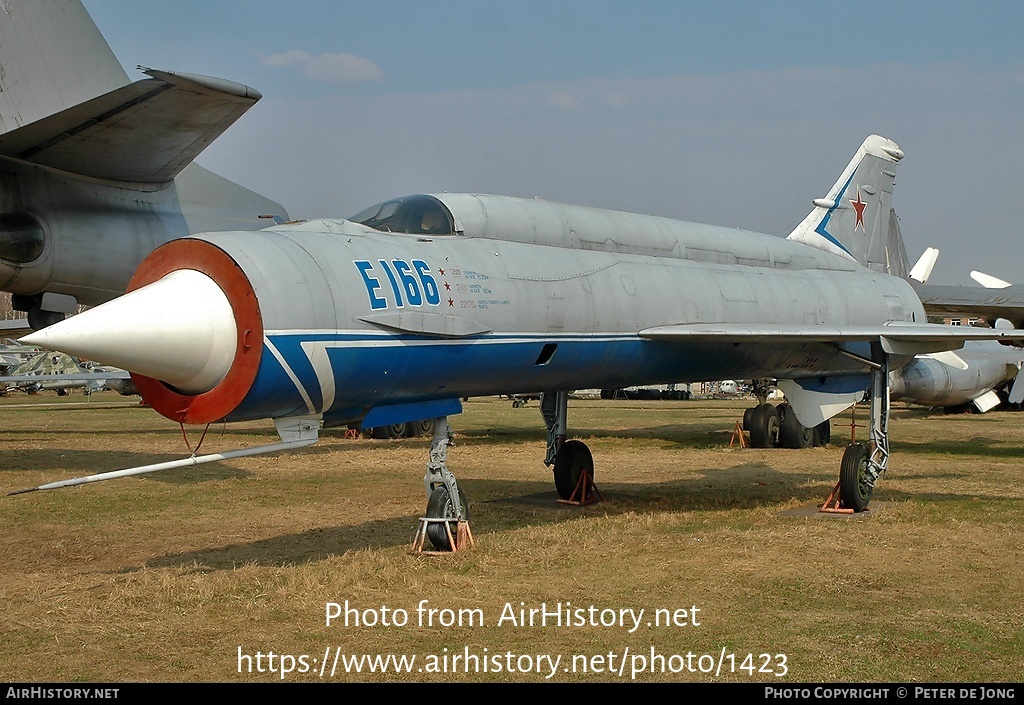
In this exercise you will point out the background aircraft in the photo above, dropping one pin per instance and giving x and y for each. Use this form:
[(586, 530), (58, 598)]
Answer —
[(974, 301), (27, 368), (95, 172), (972, 376), (399, 312), (975, 375)]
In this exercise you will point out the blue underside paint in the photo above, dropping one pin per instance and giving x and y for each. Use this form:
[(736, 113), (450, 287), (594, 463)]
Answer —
[(384, 370), (835, 385), (400, 413)]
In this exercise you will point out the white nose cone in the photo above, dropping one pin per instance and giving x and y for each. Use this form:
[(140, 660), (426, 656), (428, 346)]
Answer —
[(180, 330)]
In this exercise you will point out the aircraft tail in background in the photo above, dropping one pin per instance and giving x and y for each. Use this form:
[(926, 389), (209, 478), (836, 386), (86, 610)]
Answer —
[(855, 220), (52, 57), (96, 171)]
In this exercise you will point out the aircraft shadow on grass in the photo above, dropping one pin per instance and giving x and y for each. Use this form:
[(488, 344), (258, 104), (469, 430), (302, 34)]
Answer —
[(514, 505)]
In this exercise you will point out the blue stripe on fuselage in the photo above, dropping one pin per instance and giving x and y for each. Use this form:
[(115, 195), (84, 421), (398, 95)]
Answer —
[(371, 369)]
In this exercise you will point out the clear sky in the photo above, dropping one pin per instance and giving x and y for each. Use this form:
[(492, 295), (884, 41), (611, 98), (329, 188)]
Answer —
[(731, 112)]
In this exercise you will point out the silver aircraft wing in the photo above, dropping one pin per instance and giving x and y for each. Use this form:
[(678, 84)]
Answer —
[(144, 132), (1005, 303), (896, 337), (815, 399)]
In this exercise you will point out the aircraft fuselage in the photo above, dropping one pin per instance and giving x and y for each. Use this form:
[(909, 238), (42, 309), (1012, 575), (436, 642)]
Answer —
[(355, 318), (932, 382)]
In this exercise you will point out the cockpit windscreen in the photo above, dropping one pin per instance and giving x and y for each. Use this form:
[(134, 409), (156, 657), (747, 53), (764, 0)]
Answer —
[(415, 215)]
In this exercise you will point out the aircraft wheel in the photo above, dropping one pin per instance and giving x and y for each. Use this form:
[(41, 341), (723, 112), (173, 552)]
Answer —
[(854, 484), (390, 432), (747, 413), (764, 426), (38, 318), (794, 434), (439, 506), (425, 427), (823, 433), (572, 460)]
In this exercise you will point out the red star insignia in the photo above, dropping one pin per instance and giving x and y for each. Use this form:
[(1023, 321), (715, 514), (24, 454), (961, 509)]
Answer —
[(447, 286), (859, 206), (440, 271), (451, 302)]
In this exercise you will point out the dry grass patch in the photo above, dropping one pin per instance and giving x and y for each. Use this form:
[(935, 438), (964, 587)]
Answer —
[(164, 577)]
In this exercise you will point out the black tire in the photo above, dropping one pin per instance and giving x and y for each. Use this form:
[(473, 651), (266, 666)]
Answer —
[(823, 433), (794, 434), (390, 432), (439, 506), (747, 413), (764, 426), (424, 427), (854, 486), (37, 318), (572, 460)]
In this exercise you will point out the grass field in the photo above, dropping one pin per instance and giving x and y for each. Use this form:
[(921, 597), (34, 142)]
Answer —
[(189, 575)]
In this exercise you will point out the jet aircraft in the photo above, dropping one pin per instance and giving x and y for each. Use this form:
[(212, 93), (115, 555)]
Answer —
[(95, 171), (399, 312), (971, 376), (990, 303), (27, 368)]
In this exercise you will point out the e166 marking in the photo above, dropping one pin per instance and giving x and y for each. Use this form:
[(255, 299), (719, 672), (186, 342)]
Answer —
[(411, 283)]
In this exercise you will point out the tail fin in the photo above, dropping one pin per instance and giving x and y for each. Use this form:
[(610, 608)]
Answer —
[(52, 57), (853, 220), (923, 268), (988, 281)]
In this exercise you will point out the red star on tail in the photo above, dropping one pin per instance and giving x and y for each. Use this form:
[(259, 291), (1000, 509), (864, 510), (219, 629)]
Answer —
[(859, 206)]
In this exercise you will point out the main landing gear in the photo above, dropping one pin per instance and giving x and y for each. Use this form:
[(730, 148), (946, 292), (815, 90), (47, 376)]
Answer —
[(571, 461), (862, 463), (777, 427)]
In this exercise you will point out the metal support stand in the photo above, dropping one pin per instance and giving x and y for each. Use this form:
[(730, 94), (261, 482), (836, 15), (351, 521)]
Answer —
[(739, 436), (463, 537), (853, 424), (585, 493), (833, 503)]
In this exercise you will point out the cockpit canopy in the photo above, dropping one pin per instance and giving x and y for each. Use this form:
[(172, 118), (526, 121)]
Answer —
[(415, 215)]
